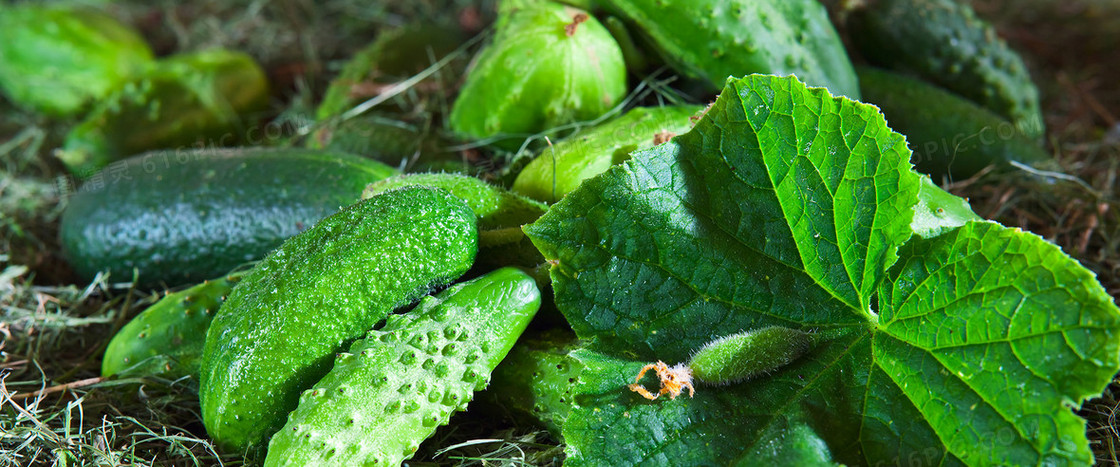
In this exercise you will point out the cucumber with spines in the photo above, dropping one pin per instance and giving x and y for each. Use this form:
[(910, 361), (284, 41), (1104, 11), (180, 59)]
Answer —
[(167, 338), (538, 379), (398, 384), (750, 354), (280, 328)]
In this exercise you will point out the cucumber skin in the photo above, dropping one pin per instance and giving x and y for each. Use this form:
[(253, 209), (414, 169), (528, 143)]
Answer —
[(559, 79), (424, 365), (57, 59), (281, 326), (592, 151), (945, 43), (182, 101), (168, 336), (183, 217), (746, 355), (538, 379), (711, 40), (949, 135), (495, 207)]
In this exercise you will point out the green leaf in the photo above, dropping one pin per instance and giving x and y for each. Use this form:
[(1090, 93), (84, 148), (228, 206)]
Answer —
[(941, 339)]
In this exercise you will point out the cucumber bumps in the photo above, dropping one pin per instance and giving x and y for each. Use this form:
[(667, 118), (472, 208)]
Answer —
[(281, 327), (398, 384)]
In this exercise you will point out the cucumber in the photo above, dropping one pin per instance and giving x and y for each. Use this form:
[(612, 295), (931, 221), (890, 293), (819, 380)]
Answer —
[(57, 59), (280, 328), (710, 40), (198, 99), (548, 65), (398, 384), (394, 56), (167, 337), (538, 378), (559, 169), (495, 207), (749, 354), (944, 42), (183, 217), (949, 135)]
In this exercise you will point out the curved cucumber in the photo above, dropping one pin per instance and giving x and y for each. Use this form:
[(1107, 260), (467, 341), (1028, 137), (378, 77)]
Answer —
[(549, 65), (558, 170), (167, 337), (944, 42), (178, 102), (948, 134), (711, 40), (57, 59), (280, 328), (183, 217), (398, 384)]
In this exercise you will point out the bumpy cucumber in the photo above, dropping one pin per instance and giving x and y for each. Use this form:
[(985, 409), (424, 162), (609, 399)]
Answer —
[(398, 384), (495, 207), (548, 65), (558, 170), (183, 217), (167, 337), (57, 59), (278, 331), (944, 42), (394, 56), (749, 354), (178, 102), (712, 39), (538, 379), (948, 134)]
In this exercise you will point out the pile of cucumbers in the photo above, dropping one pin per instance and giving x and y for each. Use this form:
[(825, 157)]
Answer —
[(342, 306)]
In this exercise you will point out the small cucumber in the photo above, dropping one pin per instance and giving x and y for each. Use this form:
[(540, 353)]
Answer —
[(710, 40), (749, 354), (179, 102), (548, 65), (398, 384), (537, 380), (495, 207), (394, 56), (278, 331), (57, 59), (180, 217), (944, 42), (558, 170), (167, 337), (948, 134)]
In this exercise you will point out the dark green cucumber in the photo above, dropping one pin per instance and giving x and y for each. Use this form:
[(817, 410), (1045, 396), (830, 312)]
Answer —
[(559, 169), (57, 59), (183, 217), (279, 330), (710, 40), (199, 99), (948, 134), (538, 378), (944, 42), (167, 337), (394, 56), (397, 385), (548, 65)]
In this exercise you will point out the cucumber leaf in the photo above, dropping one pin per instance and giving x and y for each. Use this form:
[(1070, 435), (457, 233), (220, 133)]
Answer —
[(945, 340)]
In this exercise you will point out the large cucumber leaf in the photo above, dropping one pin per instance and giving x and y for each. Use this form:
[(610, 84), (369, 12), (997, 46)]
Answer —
[(950, 341)]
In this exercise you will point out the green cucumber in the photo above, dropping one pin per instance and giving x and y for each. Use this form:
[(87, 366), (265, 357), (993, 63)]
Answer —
[(538, 378), (495, 207), (750, 354), (710, 40), (559, 169), (945, 43), (167, 337), (398, 384), (183, 217), (280, 328), (57, 59), (394, 56), (187, 100), (949, 135), (548, 65)]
